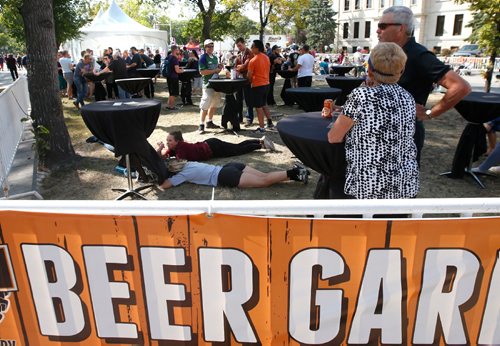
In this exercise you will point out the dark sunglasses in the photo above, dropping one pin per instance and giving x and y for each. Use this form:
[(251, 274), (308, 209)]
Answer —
[(383, 26)]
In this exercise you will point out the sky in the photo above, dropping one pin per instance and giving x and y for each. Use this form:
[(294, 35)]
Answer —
[(186, 12)]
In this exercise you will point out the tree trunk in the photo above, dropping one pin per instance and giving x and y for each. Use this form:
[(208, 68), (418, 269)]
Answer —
[(207, 26), (43, 84)]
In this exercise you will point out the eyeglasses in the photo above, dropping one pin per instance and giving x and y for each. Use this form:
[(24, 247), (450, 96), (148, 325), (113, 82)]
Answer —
[(383, 26), (209, 46)]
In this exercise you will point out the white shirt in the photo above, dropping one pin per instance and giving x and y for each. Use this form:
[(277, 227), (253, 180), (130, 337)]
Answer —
[(306, 62), (358, 58), (65, 64)]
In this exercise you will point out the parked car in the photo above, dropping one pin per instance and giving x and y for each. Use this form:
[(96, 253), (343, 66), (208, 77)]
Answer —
[(469, 50)]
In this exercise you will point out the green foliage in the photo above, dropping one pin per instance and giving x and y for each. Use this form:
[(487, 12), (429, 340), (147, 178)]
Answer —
[(69, 17), (9, 43), (241, 26), (220, 26), (320, 23)]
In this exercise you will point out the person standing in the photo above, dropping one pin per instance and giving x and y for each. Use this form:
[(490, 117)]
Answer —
[(242, 61), (126, 57), (276, 60), (358, 62), (173, 76), (209, 68), (157, 58), (258, 74), (135, 62), (81, 84), (305, 66), (67, 70), (12, 66), (422, 70), (193, 64), (292, 62), (2, 60), (119, 68)]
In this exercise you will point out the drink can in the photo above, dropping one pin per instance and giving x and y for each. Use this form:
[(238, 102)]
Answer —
[(327, 108)]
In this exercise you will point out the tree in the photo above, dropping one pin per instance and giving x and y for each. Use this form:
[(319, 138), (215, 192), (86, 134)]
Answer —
[(220, 25), (241, 26), (46, 106), (320, 23), (486, 31)]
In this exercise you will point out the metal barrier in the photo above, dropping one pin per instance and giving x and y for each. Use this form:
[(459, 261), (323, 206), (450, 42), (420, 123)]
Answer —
[(14, 106), (417, 208), (472, 63)]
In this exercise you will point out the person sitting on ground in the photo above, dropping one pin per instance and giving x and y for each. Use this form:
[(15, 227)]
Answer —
[(233, 174), (380, 123), (491, 128), (492, 160), (210, 148)]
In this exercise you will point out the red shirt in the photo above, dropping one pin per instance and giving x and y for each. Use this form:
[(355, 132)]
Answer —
[(199, 151)]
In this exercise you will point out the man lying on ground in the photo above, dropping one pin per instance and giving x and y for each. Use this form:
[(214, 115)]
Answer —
[(210, 148), (233, 174)]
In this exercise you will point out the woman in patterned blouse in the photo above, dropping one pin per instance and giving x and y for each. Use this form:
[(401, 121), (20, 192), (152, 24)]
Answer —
[(378, 123)]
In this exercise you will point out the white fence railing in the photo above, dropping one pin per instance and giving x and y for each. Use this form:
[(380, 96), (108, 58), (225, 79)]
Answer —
[(471, 63), (14, 105), (418, 208)]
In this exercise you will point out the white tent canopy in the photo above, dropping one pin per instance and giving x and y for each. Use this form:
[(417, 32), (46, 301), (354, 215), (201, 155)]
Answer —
[(114, 28)]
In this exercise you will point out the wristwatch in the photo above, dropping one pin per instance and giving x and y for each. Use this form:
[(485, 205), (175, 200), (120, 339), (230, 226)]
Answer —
[(428, 113)]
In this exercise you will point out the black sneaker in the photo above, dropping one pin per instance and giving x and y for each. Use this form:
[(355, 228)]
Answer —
[(211, 125), (303, 173), (201, 129), (269, 125)]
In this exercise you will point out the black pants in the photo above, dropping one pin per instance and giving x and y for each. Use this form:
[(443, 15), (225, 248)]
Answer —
[(419, 138), (224, 149), (304, 81), (112, 88), (245, 94), (186, 92), (13, 73), (270, 91)]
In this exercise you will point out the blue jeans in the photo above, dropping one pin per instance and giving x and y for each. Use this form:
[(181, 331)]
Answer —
[(81, 87), (122, 93)]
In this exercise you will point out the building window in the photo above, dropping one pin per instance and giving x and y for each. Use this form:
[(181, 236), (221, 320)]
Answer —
[(354, 49), (440, 26), (366, 49), (436, 50), (413, 2), (356, 29), (346, 5), (346, 30), (357, 4), (368, 27), (457, 26), (382, 3), (368, 3), (398, 2)]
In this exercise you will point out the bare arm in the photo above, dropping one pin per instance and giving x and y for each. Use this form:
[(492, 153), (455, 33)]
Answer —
[(178, 69), (104, 70), (296, 68), (166, 185), (341, 126), (457, 87)]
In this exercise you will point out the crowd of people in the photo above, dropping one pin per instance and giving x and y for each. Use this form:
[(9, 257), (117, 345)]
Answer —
[(382, 122), (13, 63)]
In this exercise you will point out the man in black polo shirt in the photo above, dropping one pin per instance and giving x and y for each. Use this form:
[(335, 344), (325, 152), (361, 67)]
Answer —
[(136, 61), (119, 69), (422, 69)]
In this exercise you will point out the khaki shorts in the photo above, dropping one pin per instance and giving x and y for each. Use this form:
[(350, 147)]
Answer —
[(209, 99)]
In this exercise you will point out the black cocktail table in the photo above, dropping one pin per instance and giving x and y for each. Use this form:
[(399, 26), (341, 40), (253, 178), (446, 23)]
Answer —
[(306, 136), (346, 84), (186, 88), (311, 99), (187, 75), (133, 85), (340, 70), (286, 74), (99, 92), (126, 124), (97, 78), (230, 108), (477, 108)]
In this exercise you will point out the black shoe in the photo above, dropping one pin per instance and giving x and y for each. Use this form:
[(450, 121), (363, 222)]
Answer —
[(211, 125)]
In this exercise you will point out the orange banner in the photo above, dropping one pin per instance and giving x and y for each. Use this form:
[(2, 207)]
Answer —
[(197, 280)]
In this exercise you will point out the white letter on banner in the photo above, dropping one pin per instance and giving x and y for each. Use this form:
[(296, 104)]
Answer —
[(490, 328), (102, 291), (217, 303), (382, 266), (58, 286), (158, 292), (328, 301), (434, 303)]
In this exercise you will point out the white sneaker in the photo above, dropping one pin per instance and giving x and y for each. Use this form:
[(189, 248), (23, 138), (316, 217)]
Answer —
[(268, 144)]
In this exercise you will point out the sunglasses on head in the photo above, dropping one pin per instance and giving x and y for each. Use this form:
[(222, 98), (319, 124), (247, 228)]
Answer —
[(383, 26)]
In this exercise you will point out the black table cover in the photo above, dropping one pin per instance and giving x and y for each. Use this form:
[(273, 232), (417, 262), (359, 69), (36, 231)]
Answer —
[(346, 84), (187, 75), (230, 108), (479, 107), (126, 124), (287, 74), (148, 72), (182, 63), (133, 85), (229, 67), (311, 99), (340, 70), (306, 136), (97, 78)]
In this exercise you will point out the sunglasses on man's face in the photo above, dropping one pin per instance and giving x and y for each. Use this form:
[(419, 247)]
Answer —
[(209, 46), (383, 26)]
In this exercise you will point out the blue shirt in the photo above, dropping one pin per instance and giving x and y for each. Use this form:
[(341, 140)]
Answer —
[(197, 173)]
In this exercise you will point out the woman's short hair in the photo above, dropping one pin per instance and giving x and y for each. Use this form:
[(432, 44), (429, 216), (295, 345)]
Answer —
[(177, 136), (175, 165), (387, 62), (259, 45)]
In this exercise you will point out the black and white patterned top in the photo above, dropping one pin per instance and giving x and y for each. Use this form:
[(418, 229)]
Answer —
[(380, 151)]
